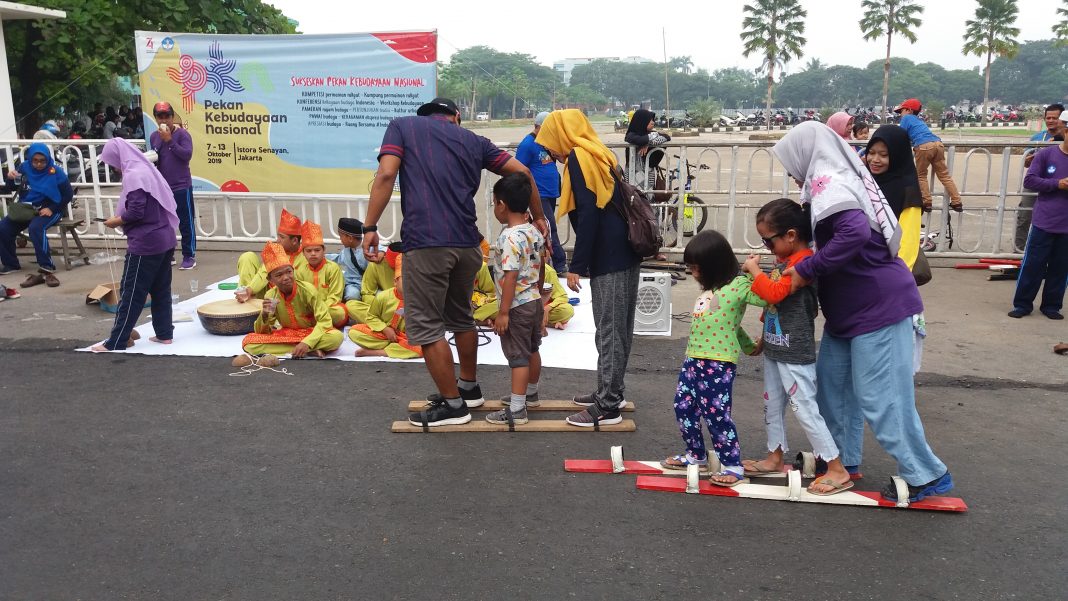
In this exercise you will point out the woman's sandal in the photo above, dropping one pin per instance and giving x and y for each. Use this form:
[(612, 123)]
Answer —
[(753, 470), (681, 462), (835, 487)]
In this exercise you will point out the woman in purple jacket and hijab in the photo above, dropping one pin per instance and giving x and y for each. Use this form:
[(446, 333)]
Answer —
[(146, 213), (868, 296)]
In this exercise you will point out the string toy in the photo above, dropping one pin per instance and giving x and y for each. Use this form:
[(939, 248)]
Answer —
[(248, 370)]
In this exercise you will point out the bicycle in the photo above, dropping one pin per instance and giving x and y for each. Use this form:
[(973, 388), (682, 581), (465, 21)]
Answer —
[(694, 211)]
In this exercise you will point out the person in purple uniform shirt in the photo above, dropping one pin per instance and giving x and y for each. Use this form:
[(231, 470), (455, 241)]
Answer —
[(868, 296), (1046, 251), (174, 146), (146, 213)]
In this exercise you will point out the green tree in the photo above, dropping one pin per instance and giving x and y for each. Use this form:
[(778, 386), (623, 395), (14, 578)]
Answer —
[(53, 62), (889, 17), (1061, 28), (992, 32), (774, 29)]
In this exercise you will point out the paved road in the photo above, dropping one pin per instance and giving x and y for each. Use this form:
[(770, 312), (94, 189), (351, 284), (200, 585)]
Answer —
[(131, 477)]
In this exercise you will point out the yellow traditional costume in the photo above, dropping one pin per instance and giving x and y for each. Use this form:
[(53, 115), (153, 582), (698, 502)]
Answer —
[(251, 273), (484, 300), (559, 310), (302, 317), (327, 279), (376, 278), (387, 309)]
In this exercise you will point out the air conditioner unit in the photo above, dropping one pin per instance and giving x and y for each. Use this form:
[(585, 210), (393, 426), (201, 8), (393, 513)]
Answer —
[(653, 311)]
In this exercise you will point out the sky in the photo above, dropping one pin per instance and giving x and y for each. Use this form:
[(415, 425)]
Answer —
[(707, 31)]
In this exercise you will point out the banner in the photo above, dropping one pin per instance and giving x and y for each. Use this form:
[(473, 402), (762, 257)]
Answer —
[(286, 113)]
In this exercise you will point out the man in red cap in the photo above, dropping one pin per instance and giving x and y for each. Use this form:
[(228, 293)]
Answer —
[(174, 146), (252, 278), (929, 152), (440, 167)]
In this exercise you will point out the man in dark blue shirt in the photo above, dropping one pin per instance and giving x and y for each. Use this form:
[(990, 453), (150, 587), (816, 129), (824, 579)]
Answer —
[(543, 167), (440, 166)]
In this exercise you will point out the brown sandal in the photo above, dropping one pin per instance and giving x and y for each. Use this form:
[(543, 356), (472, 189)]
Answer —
[(34, 279)]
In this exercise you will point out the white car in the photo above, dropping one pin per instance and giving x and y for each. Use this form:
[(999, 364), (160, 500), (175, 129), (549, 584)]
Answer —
[(482, 117)]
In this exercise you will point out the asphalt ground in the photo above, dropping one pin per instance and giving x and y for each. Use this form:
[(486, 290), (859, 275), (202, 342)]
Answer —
[(134, 477)]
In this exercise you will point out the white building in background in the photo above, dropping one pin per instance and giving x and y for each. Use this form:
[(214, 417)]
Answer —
[(565, 66)]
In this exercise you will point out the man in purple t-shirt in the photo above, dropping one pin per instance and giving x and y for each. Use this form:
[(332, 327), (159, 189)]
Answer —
[(1046, 252), (440, 167), (174, 146)]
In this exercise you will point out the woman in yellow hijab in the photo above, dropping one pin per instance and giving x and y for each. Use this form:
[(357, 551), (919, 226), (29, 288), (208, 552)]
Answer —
[(602, 253)]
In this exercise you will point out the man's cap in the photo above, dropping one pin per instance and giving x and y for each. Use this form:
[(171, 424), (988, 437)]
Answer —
[(162, 107), (311, 234), (274, 256), (911, 104), (350, 226), (289, 224), (540, 118), (438, 105)]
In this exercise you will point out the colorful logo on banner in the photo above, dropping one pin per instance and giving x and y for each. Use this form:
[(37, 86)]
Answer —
[(296, 114)]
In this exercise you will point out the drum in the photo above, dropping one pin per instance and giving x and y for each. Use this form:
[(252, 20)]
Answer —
[(229, 317)]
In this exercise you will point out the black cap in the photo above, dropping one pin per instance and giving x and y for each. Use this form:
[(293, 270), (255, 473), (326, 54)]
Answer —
[(438, 105), (348, 225)]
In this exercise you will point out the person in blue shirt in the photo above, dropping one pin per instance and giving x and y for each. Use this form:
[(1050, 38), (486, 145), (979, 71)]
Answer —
[(543, 167), (929, 152), (1054, 131), (47, 191)]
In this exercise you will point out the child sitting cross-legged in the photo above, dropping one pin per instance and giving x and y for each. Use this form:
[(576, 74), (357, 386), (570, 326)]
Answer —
[(518, 275), (384, 335)]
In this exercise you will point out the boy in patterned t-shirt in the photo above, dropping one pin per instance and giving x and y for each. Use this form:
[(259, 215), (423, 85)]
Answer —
[(518, 275)]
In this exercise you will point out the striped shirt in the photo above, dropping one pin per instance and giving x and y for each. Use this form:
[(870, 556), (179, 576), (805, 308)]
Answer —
[(441, 168)]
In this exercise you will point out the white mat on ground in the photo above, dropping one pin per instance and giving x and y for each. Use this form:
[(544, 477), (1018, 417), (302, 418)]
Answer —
[(572, 348)]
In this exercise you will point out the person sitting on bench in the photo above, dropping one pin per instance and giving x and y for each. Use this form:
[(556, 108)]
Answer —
[(47, 192)]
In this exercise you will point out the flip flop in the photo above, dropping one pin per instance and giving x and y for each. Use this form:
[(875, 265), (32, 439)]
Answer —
[(837, 488), (681, 463), (727, 484), (759, 472)]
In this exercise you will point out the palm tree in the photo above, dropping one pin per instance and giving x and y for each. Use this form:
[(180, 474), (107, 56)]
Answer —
[(1061, 28), (774, 29), (887, 17), (990, 33)]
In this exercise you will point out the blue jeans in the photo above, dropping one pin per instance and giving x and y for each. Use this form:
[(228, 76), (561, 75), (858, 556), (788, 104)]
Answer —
[(187, 220), (869, 377), (548, 206), (1045, 258), (143, 275), (794, 385), (38, 229)]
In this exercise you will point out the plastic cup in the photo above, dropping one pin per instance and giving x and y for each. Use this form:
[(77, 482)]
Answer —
[(194, 286)]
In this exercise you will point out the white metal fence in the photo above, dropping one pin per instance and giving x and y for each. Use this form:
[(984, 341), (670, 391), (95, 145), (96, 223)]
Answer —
[(737, 179)]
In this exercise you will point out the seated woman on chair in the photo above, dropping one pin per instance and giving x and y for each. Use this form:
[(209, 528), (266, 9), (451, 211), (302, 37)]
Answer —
[(44, 195)]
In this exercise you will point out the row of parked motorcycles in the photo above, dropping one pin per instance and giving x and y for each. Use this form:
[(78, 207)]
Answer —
[(958, 115), (779, 117)]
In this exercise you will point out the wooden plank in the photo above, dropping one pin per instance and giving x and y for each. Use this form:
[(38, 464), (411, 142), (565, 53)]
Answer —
[(495, 405), (780, 493), (534, 425)]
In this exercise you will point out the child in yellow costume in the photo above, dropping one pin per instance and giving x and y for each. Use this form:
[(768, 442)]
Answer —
[(383, 335), (252, 281), (378, 276), (557, 310), (305, 323), (324, 275)]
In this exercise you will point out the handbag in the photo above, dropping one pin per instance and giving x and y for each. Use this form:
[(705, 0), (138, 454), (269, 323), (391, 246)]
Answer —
[(921, 269), (21, 212)]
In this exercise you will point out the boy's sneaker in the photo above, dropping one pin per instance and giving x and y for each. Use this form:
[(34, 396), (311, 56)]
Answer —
[(4, 269), (532, 400), (585, 418), (501, 417), (937, 486), (472, 398), (188, 263), (12, 293), (439, 413), (586, 400)]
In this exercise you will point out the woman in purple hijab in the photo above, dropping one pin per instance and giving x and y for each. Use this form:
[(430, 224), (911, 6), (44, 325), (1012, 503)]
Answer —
[(146, 213)]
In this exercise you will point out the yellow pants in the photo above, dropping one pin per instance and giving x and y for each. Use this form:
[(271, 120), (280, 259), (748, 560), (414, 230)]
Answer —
[(486, 311), (250, 273), (393, 350), (357, 309), (330, 341), (561, 313), (339, 315)]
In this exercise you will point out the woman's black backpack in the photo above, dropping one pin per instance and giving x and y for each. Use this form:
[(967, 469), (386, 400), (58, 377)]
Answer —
[(643, 233)]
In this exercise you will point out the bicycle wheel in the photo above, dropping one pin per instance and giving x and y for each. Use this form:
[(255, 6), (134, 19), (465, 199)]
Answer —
[(695, 216), (669, 225)]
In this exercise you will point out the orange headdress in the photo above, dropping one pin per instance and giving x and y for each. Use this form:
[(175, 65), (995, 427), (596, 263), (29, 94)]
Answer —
[(311, 234), (274, 256), (289, 224)]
